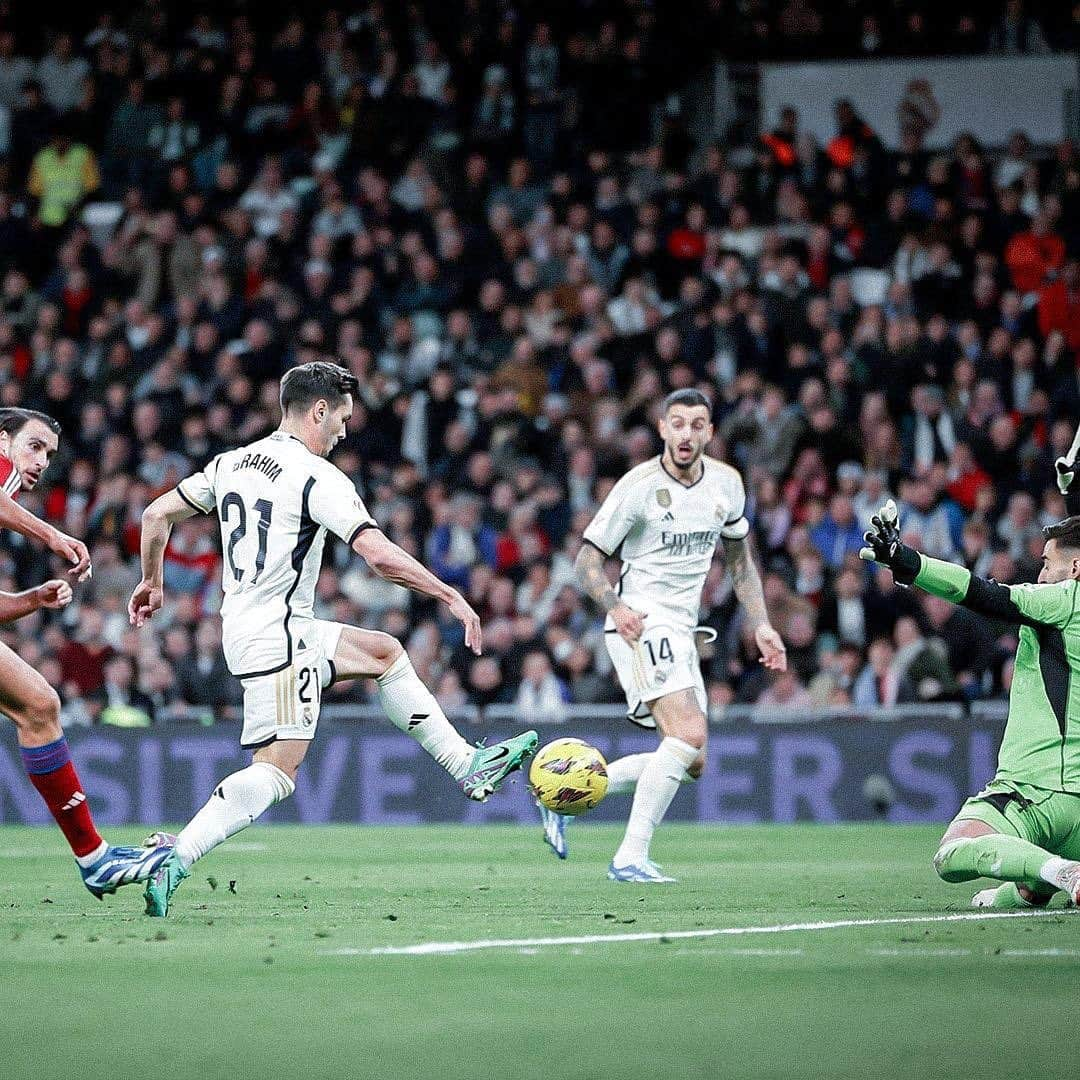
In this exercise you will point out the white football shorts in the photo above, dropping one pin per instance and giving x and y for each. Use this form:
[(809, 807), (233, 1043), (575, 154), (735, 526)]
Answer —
[(662, 661), (285, 705)]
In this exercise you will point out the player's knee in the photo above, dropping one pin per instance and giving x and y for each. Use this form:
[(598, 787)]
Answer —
[(945, 866), (939, 861), (387, 652), (39, 712), (694, 736)]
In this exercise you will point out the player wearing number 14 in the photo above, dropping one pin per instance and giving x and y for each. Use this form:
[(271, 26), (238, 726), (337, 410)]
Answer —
[(276, 499), (665, 518)]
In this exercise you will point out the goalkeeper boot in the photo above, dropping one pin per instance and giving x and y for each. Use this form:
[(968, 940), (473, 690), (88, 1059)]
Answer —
[(491, 765), (1070, 884), (648, 873), (159, 889), (122, 866), (554, 829)]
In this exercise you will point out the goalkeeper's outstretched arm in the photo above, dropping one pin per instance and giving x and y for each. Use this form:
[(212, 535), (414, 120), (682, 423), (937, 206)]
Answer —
[(1052, 602), (1043, 604)]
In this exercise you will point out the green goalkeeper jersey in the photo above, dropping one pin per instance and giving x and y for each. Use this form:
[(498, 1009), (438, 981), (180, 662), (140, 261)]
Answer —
[(1041, 745)]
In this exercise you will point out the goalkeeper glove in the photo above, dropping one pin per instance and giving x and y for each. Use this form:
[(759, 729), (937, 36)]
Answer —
[(1065, 470), (883, 545)]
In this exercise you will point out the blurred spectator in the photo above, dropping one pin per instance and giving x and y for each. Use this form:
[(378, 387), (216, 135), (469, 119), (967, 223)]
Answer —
[(921, 671), (518, 265), (119, 699), (202, 677), (61, 74), (542, 693), (838, 534), (785, 691), (62, 175), (967, 640), (1017, 31)]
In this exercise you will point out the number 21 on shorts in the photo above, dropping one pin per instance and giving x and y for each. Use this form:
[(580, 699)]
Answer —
[(299, 695)]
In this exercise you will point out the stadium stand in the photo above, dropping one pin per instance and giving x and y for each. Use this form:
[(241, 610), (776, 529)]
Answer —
[(493, 224)]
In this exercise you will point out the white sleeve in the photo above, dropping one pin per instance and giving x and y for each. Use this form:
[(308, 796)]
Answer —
[(614, 519), (736, 527), (197, 490), (334, 503)]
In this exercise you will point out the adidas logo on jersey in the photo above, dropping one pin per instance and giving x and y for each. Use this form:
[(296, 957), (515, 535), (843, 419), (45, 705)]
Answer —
[(669, 516)]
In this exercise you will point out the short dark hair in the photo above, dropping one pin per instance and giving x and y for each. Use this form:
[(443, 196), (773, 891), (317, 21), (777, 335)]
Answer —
[(304, 385), (689, 397), (13, 420), (1066, 532)]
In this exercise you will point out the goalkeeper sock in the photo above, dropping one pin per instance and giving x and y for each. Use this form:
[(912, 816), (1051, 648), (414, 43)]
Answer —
[(1007, 897), (656, 787), (411, 707), (623, 774), (237, 801), (1007, 858)]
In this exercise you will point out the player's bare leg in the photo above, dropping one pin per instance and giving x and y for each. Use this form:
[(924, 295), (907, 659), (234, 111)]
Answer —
[(679, 756), (971, 848), (411, 707), (34, 708)]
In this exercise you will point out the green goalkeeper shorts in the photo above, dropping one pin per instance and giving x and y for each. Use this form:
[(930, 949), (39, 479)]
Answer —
[(1047, 819)]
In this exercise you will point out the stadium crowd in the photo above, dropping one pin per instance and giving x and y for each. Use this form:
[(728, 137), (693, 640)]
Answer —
[(517, 269)]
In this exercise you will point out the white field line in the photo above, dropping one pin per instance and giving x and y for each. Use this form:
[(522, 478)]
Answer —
[(916, 953), (738, 952), (437, 948), (1072, 953)]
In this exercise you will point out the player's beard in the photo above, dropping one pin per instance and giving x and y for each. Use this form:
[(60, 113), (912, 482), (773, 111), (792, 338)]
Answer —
[(683, 462)]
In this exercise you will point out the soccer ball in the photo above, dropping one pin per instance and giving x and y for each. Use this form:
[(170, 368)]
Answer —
[(568, 776)]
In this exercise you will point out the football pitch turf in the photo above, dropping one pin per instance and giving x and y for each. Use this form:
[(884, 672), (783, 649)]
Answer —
[(269, 965)]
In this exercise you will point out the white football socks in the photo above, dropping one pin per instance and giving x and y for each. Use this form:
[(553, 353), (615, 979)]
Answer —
[(237, 801), (659, 780), (411, 707), (88, 860), (623, 774)]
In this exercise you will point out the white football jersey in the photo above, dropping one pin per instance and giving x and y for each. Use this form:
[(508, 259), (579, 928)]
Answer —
[(668, 533), (275, 500)]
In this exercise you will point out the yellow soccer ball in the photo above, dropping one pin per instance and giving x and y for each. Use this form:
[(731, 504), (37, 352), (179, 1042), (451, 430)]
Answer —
[(569, 776)]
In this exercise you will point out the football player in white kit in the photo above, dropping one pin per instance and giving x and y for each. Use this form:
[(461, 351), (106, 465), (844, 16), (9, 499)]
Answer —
[(276, 498), (665, 518)]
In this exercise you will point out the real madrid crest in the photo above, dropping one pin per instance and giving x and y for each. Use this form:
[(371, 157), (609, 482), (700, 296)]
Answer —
[(663, 497)]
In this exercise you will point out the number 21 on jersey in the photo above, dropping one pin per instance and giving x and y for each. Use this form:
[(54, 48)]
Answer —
[(265, 509)]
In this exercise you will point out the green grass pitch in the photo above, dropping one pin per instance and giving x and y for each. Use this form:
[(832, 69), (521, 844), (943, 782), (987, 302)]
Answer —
[(272, 976)]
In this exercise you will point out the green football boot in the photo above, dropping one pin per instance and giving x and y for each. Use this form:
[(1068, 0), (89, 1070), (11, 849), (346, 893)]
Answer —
[(491, 765), (161, 885)]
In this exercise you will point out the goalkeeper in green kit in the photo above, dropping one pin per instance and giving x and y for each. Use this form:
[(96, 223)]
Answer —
[(1024, 828)]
